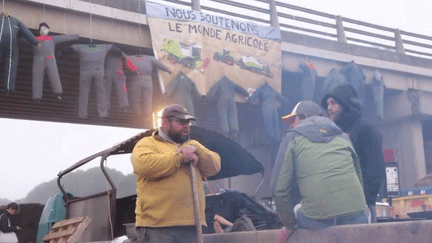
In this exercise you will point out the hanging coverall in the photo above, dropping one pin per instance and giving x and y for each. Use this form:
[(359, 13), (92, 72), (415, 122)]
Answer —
[(267, 96), (334, 79), (44, 59), (114, 75), (182, 90), (355, 77), (378, 88), (141, 85), (223, 92), (308, 80), (92, 68), (10, 29)]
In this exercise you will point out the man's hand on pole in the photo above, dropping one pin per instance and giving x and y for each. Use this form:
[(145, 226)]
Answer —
[(188, 153)]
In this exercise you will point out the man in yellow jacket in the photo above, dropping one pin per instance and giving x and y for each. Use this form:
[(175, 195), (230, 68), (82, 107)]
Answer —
[(164, 207)]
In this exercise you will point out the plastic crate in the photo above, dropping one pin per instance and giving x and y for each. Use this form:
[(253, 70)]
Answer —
[(383, 210), (411, 203)]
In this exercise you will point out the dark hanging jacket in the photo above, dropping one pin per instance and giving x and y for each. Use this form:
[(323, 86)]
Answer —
[(268, 96), (308, 82), (223, 91), (10, 29), (182, 90), (355, 77), (334, 79), (364, 135)]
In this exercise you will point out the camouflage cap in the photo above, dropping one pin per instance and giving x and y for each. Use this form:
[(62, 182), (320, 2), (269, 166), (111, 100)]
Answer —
[(177, 111)]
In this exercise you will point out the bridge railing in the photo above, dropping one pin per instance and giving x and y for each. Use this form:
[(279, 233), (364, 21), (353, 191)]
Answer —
[(319, 24), (301, 20)]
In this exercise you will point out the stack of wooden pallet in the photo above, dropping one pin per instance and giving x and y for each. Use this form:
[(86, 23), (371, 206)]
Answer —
[(69, 230)]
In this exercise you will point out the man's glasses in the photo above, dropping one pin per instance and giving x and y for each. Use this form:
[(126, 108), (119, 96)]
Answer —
[(181, 121)]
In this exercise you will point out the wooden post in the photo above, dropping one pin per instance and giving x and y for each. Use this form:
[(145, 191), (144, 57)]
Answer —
[(196, 204)]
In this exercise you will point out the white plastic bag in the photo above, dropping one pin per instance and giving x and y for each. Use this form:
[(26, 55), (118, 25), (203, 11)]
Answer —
[(9, 237)]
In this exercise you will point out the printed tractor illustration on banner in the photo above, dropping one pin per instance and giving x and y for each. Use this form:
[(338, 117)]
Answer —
[(246, 62), (224, 56), (188, 55), (252, 64)]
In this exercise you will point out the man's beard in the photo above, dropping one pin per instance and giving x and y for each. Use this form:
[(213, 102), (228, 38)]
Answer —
[(177, 137)]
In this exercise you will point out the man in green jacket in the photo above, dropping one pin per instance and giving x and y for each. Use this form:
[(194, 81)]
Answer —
[(164, 206), (316, 161)]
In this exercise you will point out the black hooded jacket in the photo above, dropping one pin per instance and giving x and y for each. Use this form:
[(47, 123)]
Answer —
[(5, 221), (366, 138)]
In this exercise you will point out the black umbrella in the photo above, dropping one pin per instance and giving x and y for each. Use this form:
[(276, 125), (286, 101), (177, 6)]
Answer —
[(235, 160)]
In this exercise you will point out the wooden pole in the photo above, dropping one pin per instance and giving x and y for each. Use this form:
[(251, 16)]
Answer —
[(196, 204)]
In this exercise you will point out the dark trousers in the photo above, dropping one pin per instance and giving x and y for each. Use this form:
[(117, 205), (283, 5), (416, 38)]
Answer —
[(174, 234)]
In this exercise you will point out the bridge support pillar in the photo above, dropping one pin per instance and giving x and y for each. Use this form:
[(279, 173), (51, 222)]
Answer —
[(406, 138), (404, 133)]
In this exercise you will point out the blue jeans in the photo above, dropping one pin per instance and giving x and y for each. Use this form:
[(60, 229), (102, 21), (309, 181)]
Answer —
[(309, 223)]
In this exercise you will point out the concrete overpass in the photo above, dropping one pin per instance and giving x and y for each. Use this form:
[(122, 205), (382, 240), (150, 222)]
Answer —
[(408, 78)]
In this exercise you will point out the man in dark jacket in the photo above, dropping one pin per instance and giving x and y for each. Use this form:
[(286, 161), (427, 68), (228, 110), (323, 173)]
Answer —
[(7, 229), (343, 106)]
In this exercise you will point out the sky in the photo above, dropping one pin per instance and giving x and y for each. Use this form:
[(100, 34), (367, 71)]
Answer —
[(407, 15), (35, 152)]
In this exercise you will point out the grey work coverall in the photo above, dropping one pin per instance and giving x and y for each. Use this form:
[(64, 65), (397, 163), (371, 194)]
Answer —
[(308, 81), (44, 59), (182, 90), (355, 76), (92, 61), (223, 92), (141, 85), (267, 96)]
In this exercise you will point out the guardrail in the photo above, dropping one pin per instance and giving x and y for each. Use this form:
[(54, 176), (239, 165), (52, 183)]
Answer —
[(300, 20), (319, 24)]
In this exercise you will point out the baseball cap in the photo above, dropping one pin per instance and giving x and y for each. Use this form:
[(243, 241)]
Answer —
[(307, 108), (177, 111)]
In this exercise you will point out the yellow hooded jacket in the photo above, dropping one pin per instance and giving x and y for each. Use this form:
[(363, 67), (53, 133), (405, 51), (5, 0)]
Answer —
[(164, 183)]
